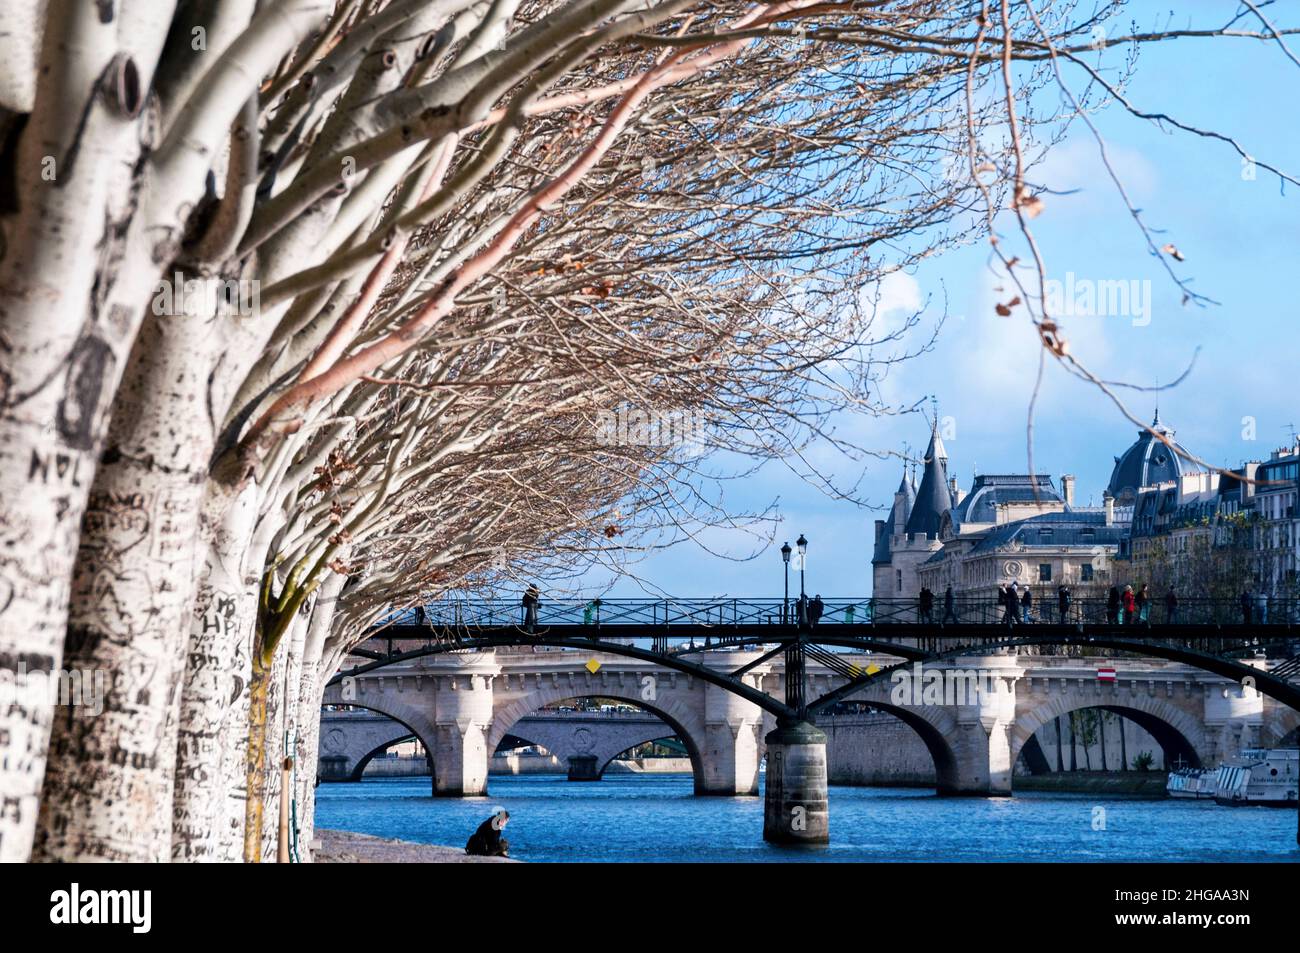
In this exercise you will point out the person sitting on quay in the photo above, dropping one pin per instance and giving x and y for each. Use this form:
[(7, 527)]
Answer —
[(487, 840)]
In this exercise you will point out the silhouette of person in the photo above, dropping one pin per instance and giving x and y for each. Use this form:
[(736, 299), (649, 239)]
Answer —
[(487, 840), (927, 606), (815, 609), (532, 599)]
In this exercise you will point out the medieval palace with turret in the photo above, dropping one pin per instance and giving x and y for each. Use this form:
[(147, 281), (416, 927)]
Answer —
[(1025, 529)]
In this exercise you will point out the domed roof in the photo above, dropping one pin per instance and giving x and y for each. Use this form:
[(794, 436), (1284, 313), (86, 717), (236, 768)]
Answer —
[(1148, 462), (980, 504)]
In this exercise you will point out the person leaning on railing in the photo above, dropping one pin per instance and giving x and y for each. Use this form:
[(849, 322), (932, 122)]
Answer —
[(531, 601)]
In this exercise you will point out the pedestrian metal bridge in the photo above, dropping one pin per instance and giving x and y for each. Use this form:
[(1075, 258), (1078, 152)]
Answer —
[(736, 613), (1234, 640)]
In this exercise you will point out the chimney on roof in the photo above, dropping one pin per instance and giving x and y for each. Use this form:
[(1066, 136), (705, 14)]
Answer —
[(1067, 488), (1108, 502)]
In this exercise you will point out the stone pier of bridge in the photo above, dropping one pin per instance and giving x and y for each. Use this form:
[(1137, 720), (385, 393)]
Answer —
[(462, 705)]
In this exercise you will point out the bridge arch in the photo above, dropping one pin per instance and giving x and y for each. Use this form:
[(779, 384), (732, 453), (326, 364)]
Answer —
[(937, 729), (1180, 736), (415, 722), (678, 718), (935, 725), (365, 759), (1280, 727)]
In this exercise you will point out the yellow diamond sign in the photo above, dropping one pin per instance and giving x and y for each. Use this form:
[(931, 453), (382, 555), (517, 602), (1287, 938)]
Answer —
[(593, 666)]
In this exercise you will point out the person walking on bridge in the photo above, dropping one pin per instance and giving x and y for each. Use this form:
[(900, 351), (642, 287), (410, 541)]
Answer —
[(1010, 600), (532, 599), (1112, 606), (1143, 603), (1246, 601), (926, 614), (1063, 602), (1171, 607), (815, 609), (1027, 605), (1130, 606), (949, 607)]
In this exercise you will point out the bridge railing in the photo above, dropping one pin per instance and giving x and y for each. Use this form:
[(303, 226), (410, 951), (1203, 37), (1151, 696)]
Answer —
[(724, 613)]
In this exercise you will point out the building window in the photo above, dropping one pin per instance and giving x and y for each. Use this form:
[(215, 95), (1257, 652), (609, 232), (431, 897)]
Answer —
[(1085, 572), (898, 580), (1044, 572)]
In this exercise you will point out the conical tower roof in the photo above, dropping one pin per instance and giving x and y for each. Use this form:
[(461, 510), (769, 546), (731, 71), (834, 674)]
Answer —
[(904, 498), (933, 497)]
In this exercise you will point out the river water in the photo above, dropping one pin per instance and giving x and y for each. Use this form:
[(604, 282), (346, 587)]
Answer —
[(640, 818)]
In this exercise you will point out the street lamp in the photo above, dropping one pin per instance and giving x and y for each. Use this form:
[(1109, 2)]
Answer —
[(785, 604), (803, 551)]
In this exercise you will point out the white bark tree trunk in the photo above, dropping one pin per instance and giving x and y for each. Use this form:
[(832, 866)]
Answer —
[(310, 690), (71, 261), (108, 791), (213, 682)]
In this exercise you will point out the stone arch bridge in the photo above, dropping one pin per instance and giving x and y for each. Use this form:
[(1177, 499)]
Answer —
[(973, 714)]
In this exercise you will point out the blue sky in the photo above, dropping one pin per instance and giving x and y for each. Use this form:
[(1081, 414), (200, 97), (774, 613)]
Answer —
[(1239, 239)]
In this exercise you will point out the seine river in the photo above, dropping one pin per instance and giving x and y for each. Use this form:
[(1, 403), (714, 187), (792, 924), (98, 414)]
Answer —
[(640, 818)]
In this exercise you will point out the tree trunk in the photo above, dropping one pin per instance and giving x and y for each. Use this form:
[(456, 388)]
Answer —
[(1074, 755), (72, 285), (220, 635), (255, 785), (308, 711), (1060, 751), (108, 791)]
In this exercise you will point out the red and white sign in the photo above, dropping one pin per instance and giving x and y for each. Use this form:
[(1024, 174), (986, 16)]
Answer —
[(1105, 675)]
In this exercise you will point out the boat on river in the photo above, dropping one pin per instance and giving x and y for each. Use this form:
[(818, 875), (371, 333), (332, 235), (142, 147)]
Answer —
[(1267, 777), (1193, 783)]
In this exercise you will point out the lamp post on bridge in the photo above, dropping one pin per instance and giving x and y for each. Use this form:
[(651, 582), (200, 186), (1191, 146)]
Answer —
[(795, 806), (795, 695), (785, 603)]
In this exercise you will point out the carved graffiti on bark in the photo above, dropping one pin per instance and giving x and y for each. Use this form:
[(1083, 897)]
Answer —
[(89, 365)]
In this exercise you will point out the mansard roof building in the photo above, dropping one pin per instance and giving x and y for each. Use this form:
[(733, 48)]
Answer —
[(1012, 527)]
